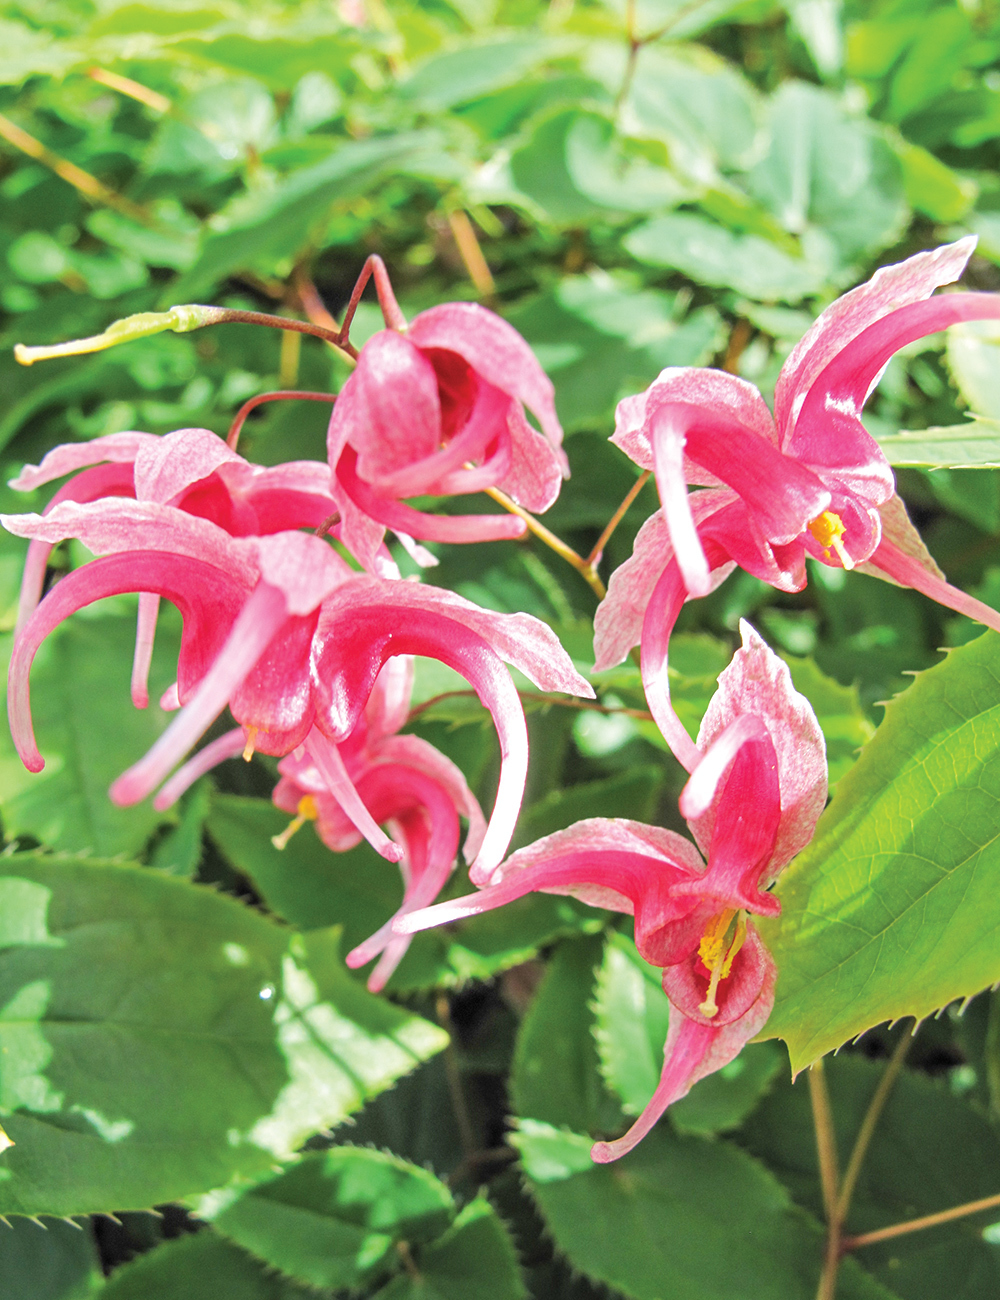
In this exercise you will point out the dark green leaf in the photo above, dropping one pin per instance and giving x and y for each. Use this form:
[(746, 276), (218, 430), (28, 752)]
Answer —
[(199, 1267), (51, 1261)]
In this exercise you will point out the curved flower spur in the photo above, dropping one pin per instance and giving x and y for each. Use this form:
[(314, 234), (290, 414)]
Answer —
[(752, 804), (808, 481), (292, 639)]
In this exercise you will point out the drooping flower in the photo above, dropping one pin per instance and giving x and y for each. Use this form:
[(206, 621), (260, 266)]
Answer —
[(438, 409), (282, 630), (752, 804), (193, 470), (808, 481)]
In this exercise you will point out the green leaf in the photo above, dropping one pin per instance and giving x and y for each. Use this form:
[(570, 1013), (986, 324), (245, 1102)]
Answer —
[(930, 1151), (180, 850), (891, 910), (632, 1016), (932, 187), (310, 886), (333, 1219), (627, 794), (556, 1076), (710, 254), (88, 733), (273, 224), (160, 1039), (473, 71), (972, 352), (972, 445), (474, 1260), (52, 1261), (199, 1267), (828, 177), (673, 1209)]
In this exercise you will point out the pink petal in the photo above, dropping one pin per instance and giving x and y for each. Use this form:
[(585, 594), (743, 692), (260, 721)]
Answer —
[(668, 448), (258, 622), (536, 472), (714, 392), (229, 745), (619, 618), (166, 466), (145, 633), (389, 703), (418, 754), (118, 448), (327, 758), (890, 288), (757, 682), (703, 784), (395, 410), (496, 351), (306, 569), (275, 698)]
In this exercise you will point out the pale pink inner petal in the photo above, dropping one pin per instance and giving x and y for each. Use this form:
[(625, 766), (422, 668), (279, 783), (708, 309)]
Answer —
[(145, 634), (325, 754), (703, 783), (668, 449)]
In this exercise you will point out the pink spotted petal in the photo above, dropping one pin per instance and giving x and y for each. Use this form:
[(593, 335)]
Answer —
[(757, 682), (496, 351), (537, 470), (116, 448), (395, 412), (890, 288), (167, 466), (388, 705)]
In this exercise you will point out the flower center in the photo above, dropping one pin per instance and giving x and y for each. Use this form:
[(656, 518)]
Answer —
[(307, 812), (828, 529), (723, 938)]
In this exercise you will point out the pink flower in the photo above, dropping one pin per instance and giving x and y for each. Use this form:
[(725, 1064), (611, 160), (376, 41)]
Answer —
[(809, 481), (752, 804), (192, 469), (437, 409), (292, 639)]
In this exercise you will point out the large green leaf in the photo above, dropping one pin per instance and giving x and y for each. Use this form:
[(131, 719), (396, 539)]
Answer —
[(972, 445), (160, 1039), (474, 1260), (199, 1267), (51, 1261), (930, 1150), (333, 1219), (88, 733), (892, 909), (680, 1217)]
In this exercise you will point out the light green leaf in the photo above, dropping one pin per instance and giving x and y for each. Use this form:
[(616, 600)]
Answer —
[(930, 1150), (474, 1260), (88, 733), (973, 355), (51, 1261), (710, 254), (333, 1219), (199, 1267), (632, 1016), (892, 909), (473, 71), (972, 445), (179, 852), (930, 185), (669, 1212), (160, 1039)]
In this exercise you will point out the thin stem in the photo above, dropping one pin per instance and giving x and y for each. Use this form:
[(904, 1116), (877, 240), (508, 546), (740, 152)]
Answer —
[(865, 1133), (240, 417), (553, 542), (288, 358), (134, 89), (588, 706), (89, 186), (232, 316), (394, 318), (312, 304), (464, 235), (917, 1225), (826, 1151), (594, 558), (738, 339)]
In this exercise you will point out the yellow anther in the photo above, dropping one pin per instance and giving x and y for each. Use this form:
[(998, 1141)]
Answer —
[(828, 529), (248, 748), (718, 955), (307, 812)]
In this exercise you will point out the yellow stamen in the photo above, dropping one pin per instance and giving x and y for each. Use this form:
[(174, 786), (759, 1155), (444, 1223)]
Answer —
[(307, 812), (248, 748), (828, 529), (717, 955)]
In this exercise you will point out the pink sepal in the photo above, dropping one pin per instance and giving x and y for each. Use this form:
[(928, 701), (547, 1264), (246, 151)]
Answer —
[(900, 532), (117, 448), (757, 682)]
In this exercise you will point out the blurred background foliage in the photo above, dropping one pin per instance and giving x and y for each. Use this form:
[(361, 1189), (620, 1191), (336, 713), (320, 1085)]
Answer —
[(634, 185)]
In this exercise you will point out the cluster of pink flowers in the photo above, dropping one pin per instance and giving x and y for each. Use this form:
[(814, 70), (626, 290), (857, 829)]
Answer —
[(312, 652)]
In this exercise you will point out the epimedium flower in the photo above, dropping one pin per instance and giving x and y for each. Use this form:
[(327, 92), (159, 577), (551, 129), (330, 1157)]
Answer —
[(193, 470), (282, 630), (403, 781), (436, 408), (752, 803), (809, 480)]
